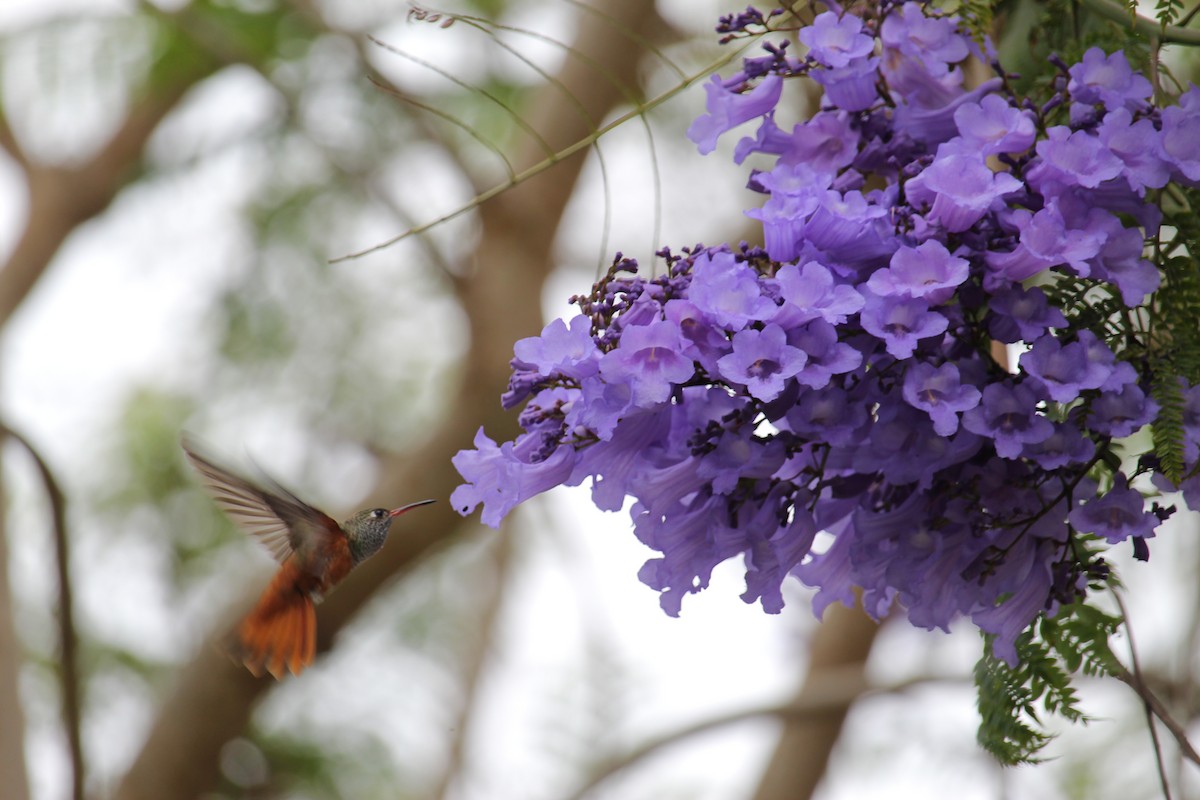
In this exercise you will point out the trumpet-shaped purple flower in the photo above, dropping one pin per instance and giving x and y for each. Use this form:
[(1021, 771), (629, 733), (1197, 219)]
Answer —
[(1139, 146), (567, 351), (1020, 314), (728, 292), (926, 271), (901, 322), (1181, 136), (960, 189), (810, 291), (1067, 445), (938, 391), (1072, 158), (650, 357), (836, 41), (1119, 414), (499, 479), (1066, 370), (1116, 515), (1108, 80), (728, 109), (762, 361), (1008, 415), (992, 126), (826, 355)]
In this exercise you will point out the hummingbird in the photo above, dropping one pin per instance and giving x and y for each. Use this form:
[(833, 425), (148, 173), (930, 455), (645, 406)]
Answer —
[(314, 553)]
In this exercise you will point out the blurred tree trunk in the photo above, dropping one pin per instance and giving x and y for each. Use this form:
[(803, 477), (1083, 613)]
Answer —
[(213, 698), (843, 640)]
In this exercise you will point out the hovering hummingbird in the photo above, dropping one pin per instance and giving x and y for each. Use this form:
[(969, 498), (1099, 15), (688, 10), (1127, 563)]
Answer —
[(315, 554)]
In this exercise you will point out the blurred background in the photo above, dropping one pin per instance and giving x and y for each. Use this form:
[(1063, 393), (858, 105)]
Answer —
[(178, 181)]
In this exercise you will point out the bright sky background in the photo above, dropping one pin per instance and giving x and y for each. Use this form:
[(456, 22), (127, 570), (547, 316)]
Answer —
[(113, 312)]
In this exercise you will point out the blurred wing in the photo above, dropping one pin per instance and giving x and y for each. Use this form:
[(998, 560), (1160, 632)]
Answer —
[(281, 521)]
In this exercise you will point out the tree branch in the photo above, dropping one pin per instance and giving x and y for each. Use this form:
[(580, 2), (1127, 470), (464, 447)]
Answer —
[(830, 691), (69, 682), (61, 199)]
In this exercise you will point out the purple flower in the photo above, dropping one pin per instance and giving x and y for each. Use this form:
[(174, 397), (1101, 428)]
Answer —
[(826, 355), (728, 292), (830, 415), (960, 187), (938, 391), (1066, 370), (836, 41), (1008, 415), (928, 117), (1107, 80), (704, 340), (1119, 414), (1072, 158), (850, 228), (826, 143), (1120, 263), (762, 361), (499, 479), (728, 109), (1019, 314), (1181, 136), (1139, 146), (1067, 445), (926, 271), (809, 292), (650, 358), (901, 322), (852, 87), (903, 446), (1116, 515), (1028, 577), (602, 404), (919, 51), (569, 351), (796, 191), (993, 125), (688, 552)]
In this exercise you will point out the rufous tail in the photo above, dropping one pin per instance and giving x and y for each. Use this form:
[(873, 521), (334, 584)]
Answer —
[(280, 633)]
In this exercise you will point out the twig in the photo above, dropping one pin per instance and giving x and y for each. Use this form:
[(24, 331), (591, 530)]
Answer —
[(830, 691), (1171, 34), (1154, 706), (67, 641)]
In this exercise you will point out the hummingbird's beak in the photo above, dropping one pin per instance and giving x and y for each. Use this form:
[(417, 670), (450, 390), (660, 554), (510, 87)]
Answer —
[(395, 512)]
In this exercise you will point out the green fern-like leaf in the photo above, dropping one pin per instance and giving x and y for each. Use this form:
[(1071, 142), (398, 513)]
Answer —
[(1049, 654), (1173, 348), (1008, 725)]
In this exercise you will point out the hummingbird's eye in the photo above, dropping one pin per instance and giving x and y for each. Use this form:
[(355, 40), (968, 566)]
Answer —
[(378, 513)]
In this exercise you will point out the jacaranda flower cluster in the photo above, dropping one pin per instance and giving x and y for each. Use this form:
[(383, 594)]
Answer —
[(839, 405)]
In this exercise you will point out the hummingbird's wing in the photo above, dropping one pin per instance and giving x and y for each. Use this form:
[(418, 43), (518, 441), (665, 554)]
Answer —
[(281, 521)]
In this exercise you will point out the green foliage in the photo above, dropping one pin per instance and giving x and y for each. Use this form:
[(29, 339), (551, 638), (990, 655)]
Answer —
[(1049, 653), (978, 16), (1174, 334), (1167, 12)]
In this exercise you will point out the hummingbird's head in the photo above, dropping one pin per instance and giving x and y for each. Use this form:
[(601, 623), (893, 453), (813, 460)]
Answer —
[(368, 529)]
